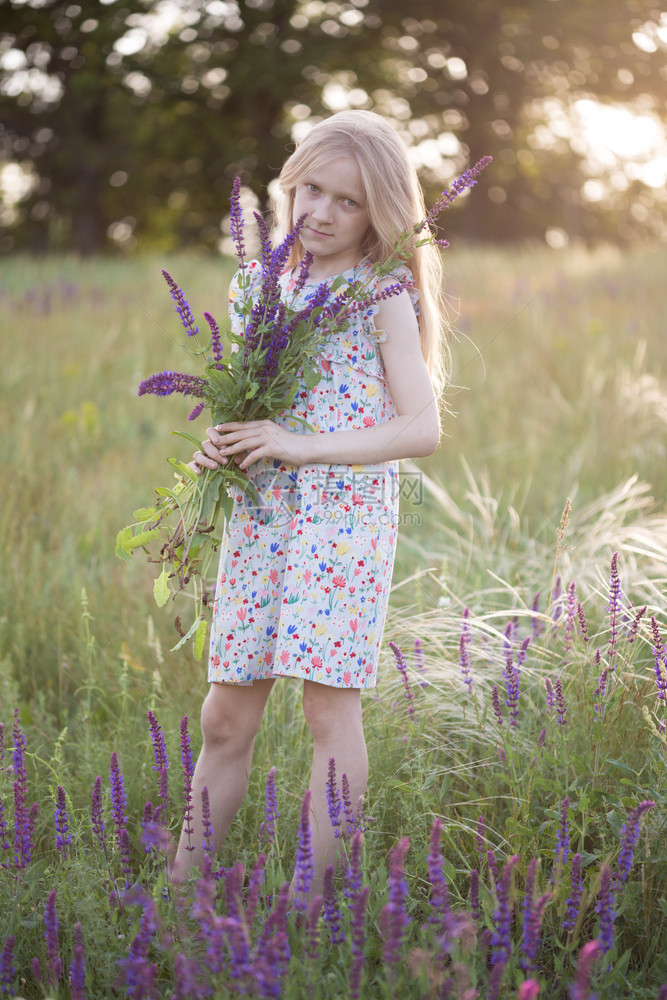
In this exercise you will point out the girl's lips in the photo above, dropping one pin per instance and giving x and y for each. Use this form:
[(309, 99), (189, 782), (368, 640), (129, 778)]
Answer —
[(316, 232)]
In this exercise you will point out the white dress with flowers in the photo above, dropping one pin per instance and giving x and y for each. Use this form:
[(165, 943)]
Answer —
[(304, 578)]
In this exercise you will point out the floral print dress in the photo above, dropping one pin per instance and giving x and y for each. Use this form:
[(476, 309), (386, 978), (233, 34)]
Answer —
[(304, 576)]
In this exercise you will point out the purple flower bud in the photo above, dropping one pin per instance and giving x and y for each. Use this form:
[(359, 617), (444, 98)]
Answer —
[(332, 914), (312, 928), (161, 765), (166, 383), (353, 875), (118, 797), (614, 608), (181, 305), (358, 927), (267, 828), (561, 708), (541, 737), (580, 989), (569, 619), (606, 910), (393, 917), (583, 626), (403, 671), (139, 973), (97, 815), (334, 804), (633, 628), (529, 990), (236, 221), (36, 969), (54, 965), (207, 827), (511, 676), (574, 899), (660, 661), (629, 838), (7, 969), (63, 836), (352, 820), (533, 912), (304, 856), (562, 848), (188, 767), (464, 650), (440, 905), (501, 941), (495, 703), (77, 968), (468, 179)]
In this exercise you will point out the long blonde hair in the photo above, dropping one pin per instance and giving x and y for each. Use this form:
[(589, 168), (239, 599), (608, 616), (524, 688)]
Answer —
[(395, 202)]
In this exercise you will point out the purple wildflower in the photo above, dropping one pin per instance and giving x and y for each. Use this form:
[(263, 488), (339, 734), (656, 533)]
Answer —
[(193, 414), (236, 221), (332, 914), (614, 608), (583, 625), (118, 797), (23, 818), (536, 623), (562, 849), (207, 827), (605, 909), (468, 179), (63, 836), (557, 599), (36, 968), (254, 888), (351, 819), (188, 767), (203, 911), (601, 689), (551, 698), (181, 305), (304, 855), (629, 838), (440, 905), (633, 628), (574, 899), (541, 737), (495, 703), (493, 869), (217, 350), (77, 968), (2, 743), (353, 875), (501, 941), (267, 828), (522, 654), (97, 815), (7, 969), (561, 708), (511, 676), (660, 663), (529, 990), (273, 951), (393, 918), (533, 912), (403, 671), (580, 988), (474, 895), (358, 927), (125, 852), (166, 383), (161, 764), (334, 804), (54, 965), (138, 972), (186, 976), (464, 654), (312, 928)]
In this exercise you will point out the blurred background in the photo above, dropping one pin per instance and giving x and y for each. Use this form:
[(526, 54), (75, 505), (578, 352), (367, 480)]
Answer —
[(124, 121)]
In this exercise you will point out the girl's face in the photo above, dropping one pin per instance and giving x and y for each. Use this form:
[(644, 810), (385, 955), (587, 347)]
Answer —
[(332, 196)]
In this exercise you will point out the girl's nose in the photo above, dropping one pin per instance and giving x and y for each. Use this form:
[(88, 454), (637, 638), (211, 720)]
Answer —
[(322, 211)]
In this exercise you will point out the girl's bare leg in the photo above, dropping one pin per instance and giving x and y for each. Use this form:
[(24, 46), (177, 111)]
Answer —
[(230, 718), (335, 723)]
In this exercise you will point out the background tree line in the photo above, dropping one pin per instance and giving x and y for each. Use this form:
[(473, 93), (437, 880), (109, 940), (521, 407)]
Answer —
[(131, 117)]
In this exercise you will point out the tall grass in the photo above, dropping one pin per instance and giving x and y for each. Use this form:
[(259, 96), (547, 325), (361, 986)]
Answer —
[(569, 402)]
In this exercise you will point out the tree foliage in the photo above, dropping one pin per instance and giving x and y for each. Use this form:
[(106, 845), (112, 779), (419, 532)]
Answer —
[(132, 117)]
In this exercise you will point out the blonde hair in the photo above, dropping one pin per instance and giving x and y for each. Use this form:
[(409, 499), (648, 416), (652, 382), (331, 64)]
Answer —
[(395, 202)]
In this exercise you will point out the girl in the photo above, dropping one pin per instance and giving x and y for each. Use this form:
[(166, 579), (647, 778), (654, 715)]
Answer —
[(304, 578)]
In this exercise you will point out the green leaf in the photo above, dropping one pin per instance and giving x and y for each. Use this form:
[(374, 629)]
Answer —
[(252, 390), (311, 376), (123, 538), (189, 634), (146, 513), (142, 538), (188, 437), (161, 588), (200, 638)]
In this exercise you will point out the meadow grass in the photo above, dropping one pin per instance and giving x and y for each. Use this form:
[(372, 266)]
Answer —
[(561, 358)]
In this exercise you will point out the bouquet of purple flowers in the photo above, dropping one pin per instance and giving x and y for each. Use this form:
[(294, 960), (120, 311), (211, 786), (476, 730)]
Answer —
[(257, 379)]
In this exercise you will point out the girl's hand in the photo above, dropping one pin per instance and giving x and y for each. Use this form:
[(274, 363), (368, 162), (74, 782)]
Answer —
[(246, 442)]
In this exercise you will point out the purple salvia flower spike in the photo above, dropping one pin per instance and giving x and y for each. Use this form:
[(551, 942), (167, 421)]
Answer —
[(629, 838), (36, 969), (606, 910), (217, 350), (97, 815), (334, 804), (138, 971), (601, 688), (181, 305), (304, 855), (77, 968), (193, 414), (614, 608), (403, 671), (54, 965), (161, 765), (512, 684), (118, 797), (63, 836), (207, 827), (562, 849), (495, 704), (353, 874), (533, 912), (125, 852), (492, 864), (480, 836), (236, 221), (468, 179), (420, 663), (267, 828), (561, 708), (4, 831), (254, 888), (166, 383), (660, 667), (348, 810), (557, 599), (573, 902), (634, 625), (332, 914), (464, 653), (358, 928), (501, 941), (529, 990), (7, 969), (312, 928), (393, 917), (583, 624), (536, 624), (440, 905), (570, 617), (580, 989), (187, 767), (522, 654)]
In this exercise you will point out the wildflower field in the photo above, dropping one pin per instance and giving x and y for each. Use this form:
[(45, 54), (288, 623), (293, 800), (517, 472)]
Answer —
[(512, 842)]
